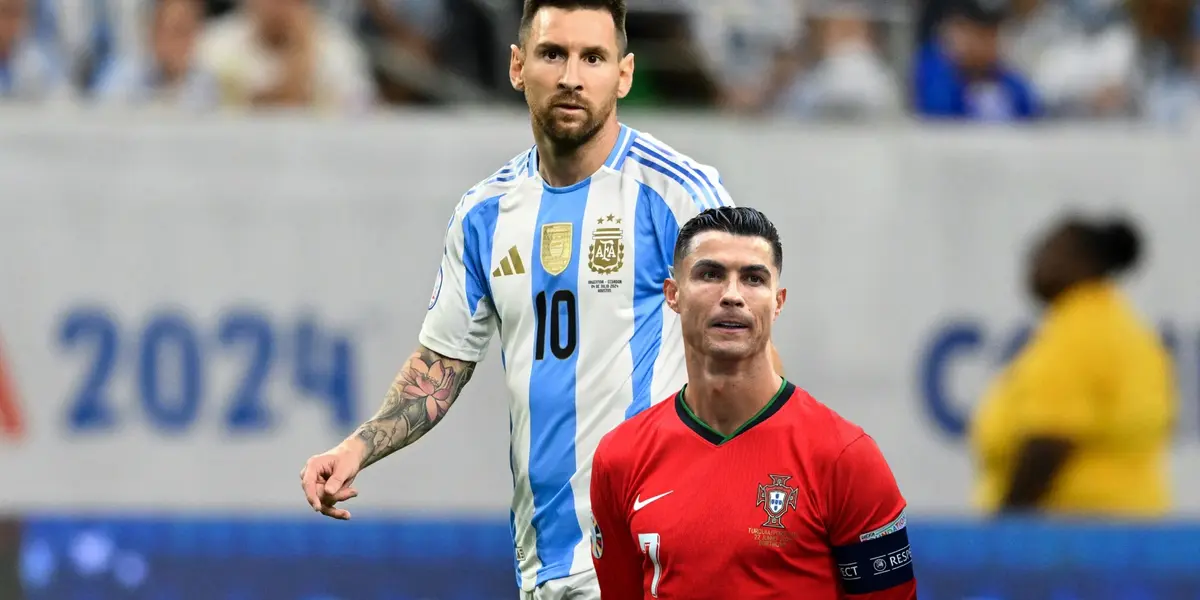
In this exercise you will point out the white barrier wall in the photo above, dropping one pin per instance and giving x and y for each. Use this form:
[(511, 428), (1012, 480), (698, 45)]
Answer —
[(190, 309)]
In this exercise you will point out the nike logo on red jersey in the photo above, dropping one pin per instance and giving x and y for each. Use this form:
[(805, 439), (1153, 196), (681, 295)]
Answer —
[(638, 504)]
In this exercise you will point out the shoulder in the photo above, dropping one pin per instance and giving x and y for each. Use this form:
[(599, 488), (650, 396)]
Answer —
[(827, 432), (500, 182), (626, 441), (671, 173)]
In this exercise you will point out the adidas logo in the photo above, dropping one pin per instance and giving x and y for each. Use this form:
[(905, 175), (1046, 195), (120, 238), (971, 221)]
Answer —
[(510, 265)]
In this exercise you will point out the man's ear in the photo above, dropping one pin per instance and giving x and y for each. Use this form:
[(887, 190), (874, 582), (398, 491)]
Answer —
[(671, 293), (780, 298), (516, 63), (625, 82)]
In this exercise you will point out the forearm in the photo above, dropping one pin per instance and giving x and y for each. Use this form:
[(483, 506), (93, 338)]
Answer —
[(418, 399), (1038, 464)]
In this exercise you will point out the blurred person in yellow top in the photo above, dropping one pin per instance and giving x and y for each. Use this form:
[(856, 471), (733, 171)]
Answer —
[(1079, 424)]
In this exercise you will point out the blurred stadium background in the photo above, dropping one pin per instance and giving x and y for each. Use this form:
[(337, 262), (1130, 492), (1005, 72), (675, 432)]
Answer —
[(207, 278)]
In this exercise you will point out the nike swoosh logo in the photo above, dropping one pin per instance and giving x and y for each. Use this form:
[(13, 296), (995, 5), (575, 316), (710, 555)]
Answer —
[(638, 504)]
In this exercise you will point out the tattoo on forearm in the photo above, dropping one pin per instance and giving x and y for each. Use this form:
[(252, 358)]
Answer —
[(418, 399)]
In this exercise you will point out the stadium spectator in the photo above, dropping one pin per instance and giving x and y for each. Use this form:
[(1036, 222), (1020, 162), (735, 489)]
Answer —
[(850, 78), (284, 53), (167, 73), (412, 31), (30, 71), (92, 34), (1080, 54), (1168, 30), (1080, 422), (960, 74), (750, 48)]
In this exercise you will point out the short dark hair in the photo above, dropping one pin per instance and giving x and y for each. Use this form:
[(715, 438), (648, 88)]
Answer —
[(1113, 246), (616, 8), (740, 220)]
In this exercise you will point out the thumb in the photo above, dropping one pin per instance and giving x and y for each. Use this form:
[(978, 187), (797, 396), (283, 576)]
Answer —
[(342, 470)]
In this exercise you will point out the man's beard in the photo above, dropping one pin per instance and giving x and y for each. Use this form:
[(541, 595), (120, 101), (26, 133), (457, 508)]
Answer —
[(566, 138)]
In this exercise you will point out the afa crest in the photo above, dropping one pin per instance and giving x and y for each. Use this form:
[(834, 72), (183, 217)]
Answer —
[(778, 497), (606, 255), (557, 242)]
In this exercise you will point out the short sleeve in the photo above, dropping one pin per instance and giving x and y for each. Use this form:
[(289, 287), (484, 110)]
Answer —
[(615, 557), (461, 318), (866, 522)]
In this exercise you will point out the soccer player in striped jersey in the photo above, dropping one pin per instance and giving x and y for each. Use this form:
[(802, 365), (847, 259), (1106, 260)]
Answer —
[(563, 252)]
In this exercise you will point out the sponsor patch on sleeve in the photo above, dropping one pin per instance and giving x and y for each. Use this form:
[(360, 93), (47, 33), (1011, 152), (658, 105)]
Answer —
[(881, 559), (896, 525)]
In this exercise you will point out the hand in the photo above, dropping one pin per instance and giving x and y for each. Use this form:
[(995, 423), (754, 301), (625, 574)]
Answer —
[(328, 478)]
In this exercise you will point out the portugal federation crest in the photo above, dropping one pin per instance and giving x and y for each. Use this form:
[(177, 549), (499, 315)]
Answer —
[(777, 497)]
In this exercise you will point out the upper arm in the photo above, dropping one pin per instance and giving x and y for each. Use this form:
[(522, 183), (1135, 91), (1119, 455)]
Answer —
[(615, 556), (461, 318), (1053, 389), (866, 524)]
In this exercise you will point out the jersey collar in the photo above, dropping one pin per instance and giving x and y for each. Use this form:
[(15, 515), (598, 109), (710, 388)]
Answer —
[(616, 157), (785, 391)]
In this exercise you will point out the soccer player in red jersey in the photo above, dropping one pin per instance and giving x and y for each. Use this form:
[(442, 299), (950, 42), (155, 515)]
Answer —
[(742, 485)]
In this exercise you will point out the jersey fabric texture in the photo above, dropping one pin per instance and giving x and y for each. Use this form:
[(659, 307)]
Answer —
[(798, 503), (571, 279)]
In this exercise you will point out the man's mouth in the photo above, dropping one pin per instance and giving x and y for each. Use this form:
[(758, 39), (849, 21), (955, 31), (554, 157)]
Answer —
[(730, 325)]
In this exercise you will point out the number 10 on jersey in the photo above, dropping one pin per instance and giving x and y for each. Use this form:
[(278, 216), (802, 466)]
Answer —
[(559, 313)]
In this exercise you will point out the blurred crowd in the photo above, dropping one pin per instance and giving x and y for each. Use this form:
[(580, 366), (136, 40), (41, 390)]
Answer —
[(977, 60)]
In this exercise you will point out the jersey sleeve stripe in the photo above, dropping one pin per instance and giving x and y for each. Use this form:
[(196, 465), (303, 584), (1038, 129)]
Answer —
[(692, 182), (651, 164), (479, 227), (509, 172), (689, 167)]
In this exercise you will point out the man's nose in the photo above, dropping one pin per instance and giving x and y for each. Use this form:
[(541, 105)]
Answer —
[(570, 79), (733, 295)]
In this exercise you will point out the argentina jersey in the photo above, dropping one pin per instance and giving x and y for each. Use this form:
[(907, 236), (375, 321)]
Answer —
[(571, 278)]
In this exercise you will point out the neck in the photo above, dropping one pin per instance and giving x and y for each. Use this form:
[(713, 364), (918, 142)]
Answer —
[(562, 167), (727, 394)]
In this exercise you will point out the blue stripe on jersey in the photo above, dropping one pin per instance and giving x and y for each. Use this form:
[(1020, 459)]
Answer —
[(661, 169), (655, 232), (685, 166), (674, 167), (479, 226), (617, 156), (552, 389)]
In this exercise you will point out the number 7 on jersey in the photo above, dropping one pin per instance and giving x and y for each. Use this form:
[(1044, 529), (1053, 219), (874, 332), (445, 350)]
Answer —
[(649, 543)]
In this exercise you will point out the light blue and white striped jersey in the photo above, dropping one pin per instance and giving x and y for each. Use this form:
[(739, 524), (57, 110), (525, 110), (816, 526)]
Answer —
[(571, 278)]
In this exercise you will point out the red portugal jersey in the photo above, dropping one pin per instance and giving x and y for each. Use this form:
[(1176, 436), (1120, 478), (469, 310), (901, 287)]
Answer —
[(798, 503)]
